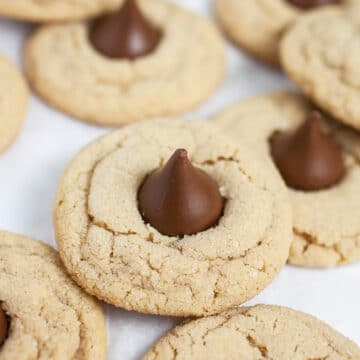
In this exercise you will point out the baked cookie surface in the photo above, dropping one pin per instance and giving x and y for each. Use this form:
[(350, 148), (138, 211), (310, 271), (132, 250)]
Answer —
[(113, 254), (55, 10), (325, 229), (13, 102), (259, 332), (258, 25), (180, 73), (50, 317), (322, 60)]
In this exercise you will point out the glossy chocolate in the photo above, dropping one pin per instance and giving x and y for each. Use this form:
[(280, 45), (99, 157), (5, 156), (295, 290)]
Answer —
[(125, 34), (308, 159), (309, 4), (180, 199), (4, 326)]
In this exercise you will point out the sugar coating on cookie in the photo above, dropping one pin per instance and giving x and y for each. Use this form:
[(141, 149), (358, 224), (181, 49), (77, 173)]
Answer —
[(259, 332), (55, 10), (183, 70), (113, 254), (49, 316), (13, 102), (320, 54), (326, 225), (258, 25)]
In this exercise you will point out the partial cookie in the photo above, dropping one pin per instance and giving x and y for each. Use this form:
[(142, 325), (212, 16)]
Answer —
[(48, 316), (326, 227), (258, 25), (187, 65), (13, 102), (259, 332), (115, 255), (55, 10), (321, 55)]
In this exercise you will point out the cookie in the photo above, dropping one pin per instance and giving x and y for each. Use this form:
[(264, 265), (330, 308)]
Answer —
[(47, 315), (115, 254), (322, 60), (326, 225), (64, 68), (258, 25), (258, 332), (13, 102), (55, 10)]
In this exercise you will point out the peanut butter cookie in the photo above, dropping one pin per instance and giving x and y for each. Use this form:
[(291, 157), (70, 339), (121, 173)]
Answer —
[(43, 314), (55, 10), (258, 25), (326, 232), (144, 60), (13, 102), (258, 332), (149, 234), (320, 55)]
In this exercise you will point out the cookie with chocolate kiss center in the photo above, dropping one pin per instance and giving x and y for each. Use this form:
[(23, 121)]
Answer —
[(4, 326), (180, 199), (309, 4), (125, 34), (308, 159)]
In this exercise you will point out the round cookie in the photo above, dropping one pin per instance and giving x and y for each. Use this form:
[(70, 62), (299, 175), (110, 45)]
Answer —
[(258, 332), (49, 316), (322, 60), (55, 10), (258, 25), (113, 254), (13, 102), (326, 225), (180, 73)]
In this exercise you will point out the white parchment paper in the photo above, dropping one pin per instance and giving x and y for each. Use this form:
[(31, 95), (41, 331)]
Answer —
[(31, 168)]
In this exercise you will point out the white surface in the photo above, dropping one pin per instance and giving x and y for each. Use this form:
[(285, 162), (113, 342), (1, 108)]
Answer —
[(30, 171)]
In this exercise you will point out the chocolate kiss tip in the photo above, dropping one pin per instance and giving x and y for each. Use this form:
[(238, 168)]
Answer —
[(180, 199), (313, 122), (4, 325), (314, 117), (308, 159), (181, 154), (125, 34), (309, 4)]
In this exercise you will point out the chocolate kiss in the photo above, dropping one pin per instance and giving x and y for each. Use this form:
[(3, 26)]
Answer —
[(179, 199), (4, 326), (309, 4), (308, 159), (125, 33)]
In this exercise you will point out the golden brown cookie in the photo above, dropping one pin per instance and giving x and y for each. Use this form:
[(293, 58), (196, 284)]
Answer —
[(258, 332), (47, 315), (13, 102), (187, 65), (258, 25), (114, 254), (55, 10), (320, 55), (326, 225)]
